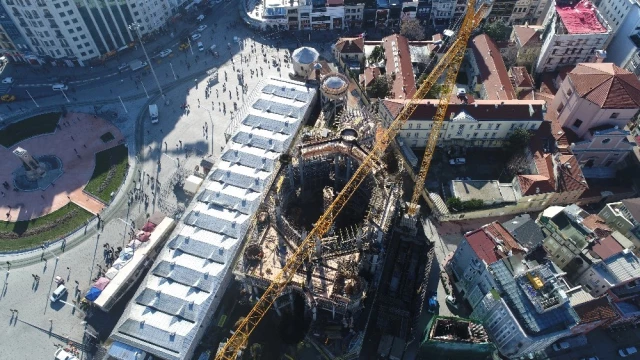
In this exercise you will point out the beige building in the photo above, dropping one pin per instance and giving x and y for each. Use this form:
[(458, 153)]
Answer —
[(476, 123), (528, 43), (624, 216), (349, 50)]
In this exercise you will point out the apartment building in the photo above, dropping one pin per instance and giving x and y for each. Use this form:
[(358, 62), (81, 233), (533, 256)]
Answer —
[(573, 31), (624, 216), (529, 309), (12, 44), (479, 249), (624, 47), (625, 299), (615, 11), (528, 11), (313, 15), (67, 32), (528, 42), (617, 268), (486, 71), (502, 10), (471, 123)]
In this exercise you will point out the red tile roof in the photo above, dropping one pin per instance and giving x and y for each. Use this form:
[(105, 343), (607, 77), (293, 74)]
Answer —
[(370, 74), (606, 247), (398, 65), (350, 45), (490, 110), (492, 242), (521, 77), (570, 177), (606, 85), (493, 73), (580, 18), (595, 310), (526, 35)]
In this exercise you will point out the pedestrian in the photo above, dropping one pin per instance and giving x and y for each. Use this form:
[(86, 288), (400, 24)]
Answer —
[(75, 150), (73, 138), (42, 196)]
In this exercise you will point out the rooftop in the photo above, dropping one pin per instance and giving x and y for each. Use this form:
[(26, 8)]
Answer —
[(350, 45), (480, 110), (633, 206), (458, 330), (525, 230), (493, 72), (398, 64), (605, 247), (521, 77), (595, 310), (624, 266), (191, 273), (557, 313), (580, 18), (488, 191), (528, 35), (606, 85), (492, 242)]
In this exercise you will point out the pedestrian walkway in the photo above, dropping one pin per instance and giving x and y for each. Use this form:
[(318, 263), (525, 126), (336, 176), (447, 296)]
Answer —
[(75, 143)]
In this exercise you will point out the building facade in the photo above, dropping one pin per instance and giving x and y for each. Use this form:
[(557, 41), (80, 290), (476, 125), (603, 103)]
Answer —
[(68, 32), (602, 147), (624, 216), (615, 12), (528, 11), (527, 39), (603, 275), (572, 34), (481, 123), (624, 47)]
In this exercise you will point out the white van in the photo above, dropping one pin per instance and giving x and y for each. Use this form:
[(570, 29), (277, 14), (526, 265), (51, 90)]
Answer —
[(59, 87), (58, 293), (200, 46), (153, 113)]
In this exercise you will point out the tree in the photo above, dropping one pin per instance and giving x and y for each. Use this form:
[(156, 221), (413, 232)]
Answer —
[(377, 55), (518, 141), (380, 88), (497, 30), (455, 204), (434, 92), (412, 29)]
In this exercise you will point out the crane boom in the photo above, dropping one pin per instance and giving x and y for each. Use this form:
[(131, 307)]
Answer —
[(453, 66), (239, 339)]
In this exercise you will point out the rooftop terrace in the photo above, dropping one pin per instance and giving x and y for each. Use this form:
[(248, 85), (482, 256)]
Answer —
[(581, 18)]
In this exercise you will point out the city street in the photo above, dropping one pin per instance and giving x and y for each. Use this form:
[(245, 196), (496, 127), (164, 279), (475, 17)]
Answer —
[(191, 126)]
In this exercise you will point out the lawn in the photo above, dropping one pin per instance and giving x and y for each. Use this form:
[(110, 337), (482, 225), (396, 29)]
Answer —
[(111, 166), (37, 125), (31, 233)]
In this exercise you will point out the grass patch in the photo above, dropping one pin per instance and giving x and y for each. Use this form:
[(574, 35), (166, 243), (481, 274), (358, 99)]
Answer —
[(106, 137), (31, 233), (111, 166), (37, 125)]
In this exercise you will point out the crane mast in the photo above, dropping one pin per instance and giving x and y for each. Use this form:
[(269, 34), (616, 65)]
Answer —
[(450, 62)]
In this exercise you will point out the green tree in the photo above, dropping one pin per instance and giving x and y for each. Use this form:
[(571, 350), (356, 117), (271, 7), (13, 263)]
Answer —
[(497, 30), (434, 92), (380, 88), (377, 55), (518, 141), (472, 204), (455, 204), (412, 29)]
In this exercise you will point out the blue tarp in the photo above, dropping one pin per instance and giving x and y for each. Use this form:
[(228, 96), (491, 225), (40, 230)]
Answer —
[(93, 293)]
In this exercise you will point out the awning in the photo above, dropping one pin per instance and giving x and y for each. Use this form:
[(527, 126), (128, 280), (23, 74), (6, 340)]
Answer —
[(93, 293), (123, 351), (101, 283), (111, 273)]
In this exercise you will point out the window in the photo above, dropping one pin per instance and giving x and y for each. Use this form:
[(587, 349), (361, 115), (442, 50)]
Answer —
[(71, 31), (577, 123), (606, 141), (614, 115), (83, 37), (79, 28), (497, 126), (493, 135), (62, 14), (70, 12), (75, 21), (66, 22), (83, 53), (486, 135), (475, 134), (57, 6), (65, 3), (75, 38), (512, 126), (479, 126), (417, 134), (79, 47), (560, 108)]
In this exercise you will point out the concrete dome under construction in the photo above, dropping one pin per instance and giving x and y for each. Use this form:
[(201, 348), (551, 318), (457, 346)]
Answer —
[(334, 88)]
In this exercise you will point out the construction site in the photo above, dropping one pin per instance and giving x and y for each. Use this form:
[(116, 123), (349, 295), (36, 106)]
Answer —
[(345, 270)]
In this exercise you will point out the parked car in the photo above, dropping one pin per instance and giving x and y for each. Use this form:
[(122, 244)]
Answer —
[(627, 351), (59, 87), (62, 354), (433, 302), (123, 66), (7, 80), (458, 161), (452, 301), (561, 346), (58, 293), (202, 27), (165, 53), (200, 17), (195, 36), (200, 46)]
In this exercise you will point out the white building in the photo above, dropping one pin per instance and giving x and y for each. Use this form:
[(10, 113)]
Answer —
[(529, 309), (72, 32), (528, 11), (478, 123), (176, 301), (615, 11), (623, 50), (614, 270), (572, 34), (303, 15)]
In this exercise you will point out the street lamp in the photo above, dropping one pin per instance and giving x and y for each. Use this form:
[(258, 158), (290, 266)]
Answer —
[(32, 99), (172, 158), (211, 119), (65, 96), (124, 234), (174, 73), (144, 88), (136, 27), (44, 248)]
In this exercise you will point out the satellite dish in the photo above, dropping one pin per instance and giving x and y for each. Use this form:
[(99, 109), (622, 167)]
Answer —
[(448, 32)]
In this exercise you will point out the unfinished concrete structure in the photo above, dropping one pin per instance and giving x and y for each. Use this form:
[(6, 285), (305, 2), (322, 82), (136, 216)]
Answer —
[(455, 338), (349, 257)]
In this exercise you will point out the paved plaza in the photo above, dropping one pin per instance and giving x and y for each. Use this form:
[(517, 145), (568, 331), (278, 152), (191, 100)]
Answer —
[(75, 143), (169, 152)]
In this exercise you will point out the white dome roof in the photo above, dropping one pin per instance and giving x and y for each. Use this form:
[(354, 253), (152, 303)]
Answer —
[(305, 55)]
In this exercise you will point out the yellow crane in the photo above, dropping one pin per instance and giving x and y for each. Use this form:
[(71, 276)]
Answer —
[(450, 62)]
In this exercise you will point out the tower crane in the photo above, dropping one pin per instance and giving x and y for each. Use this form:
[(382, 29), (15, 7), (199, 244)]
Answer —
[(450, 62)]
